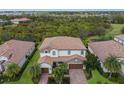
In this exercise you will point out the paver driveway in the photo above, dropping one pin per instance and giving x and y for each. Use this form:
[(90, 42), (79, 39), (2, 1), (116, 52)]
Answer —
[(44, 78), (77, 76)]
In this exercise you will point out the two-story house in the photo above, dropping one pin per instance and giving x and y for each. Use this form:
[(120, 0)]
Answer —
[(104, 49), (62, 49)]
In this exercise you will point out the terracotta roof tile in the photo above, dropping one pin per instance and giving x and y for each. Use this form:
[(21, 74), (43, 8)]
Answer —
[(16, 49), (62, 42), (120, 37), (104, 49), (50, 60)]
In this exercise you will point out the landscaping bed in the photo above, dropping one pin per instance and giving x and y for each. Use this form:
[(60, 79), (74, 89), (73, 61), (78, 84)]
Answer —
[(66, 80)]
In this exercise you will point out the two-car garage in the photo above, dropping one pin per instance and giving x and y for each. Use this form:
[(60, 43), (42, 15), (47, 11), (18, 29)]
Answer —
[(75, 66), (46, 68)]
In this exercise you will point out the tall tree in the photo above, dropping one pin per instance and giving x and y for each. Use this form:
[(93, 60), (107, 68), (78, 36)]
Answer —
[(35, 72), (58, 73)]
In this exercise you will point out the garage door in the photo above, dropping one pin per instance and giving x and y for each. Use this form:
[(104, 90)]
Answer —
[(44, 70), (75, 66)]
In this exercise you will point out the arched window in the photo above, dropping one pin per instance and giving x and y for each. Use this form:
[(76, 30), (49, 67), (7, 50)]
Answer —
[(54, 52)]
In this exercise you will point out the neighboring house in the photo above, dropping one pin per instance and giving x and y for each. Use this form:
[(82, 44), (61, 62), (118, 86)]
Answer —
[(15, 51), (104, 49), (62, 49), (18, 20)]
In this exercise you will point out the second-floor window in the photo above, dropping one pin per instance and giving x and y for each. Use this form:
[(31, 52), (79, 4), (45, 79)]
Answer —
[(54, 52), (82, 52), (69, 52)]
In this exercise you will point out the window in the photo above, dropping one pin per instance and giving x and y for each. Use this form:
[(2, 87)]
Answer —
[(82, 52), (54, 53), (69, 52), (46, 51)]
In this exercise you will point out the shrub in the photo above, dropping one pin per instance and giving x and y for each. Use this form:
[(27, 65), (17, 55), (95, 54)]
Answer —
[(105, 37), (88, 74), (99, 82), (11, 71), (105, 82), (35, 72), (1, 78), (51, 80), (122, 30), (120, 80), (58, 73)]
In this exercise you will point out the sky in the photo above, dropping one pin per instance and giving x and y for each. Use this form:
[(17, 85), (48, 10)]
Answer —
[(61, 4)]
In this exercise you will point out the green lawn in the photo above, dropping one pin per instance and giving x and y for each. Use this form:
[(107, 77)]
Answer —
[(98, 78), (116, 29), (26, 77)]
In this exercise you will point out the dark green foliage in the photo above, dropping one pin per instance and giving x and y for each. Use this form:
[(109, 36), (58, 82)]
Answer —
[(105, 37), (66, 80), (11, 71), (98, 31), (92, 63), (1, 78), (122, 30), (59, 72), (99, 82), (113, 65), (43, 26)]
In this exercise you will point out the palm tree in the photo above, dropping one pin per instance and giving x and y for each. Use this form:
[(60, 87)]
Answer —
[(112, 64), (35, 72), (58, 73), (11, 70)]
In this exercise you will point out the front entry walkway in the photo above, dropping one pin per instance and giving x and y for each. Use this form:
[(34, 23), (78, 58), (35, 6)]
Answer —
[(77, 76), (44, 78)]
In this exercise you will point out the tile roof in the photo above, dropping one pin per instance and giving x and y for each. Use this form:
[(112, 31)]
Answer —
[(62, 42), (103, 49), (15, 50), (50, 60), (21, 19), (120, 37)]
